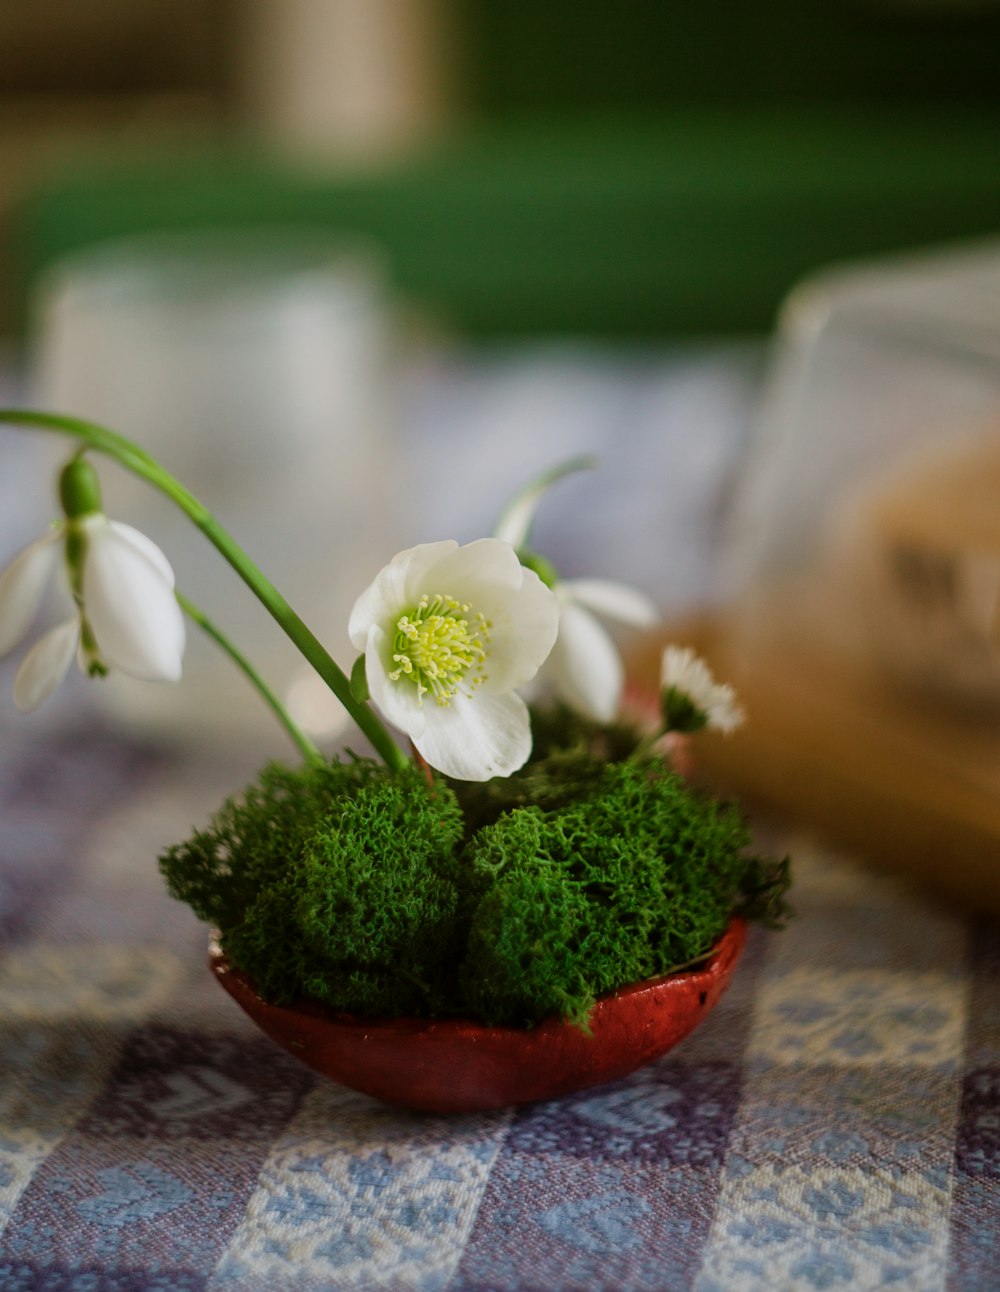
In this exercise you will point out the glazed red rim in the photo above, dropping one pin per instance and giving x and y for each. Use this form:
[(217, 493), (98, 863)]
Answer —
[(459, 1065)]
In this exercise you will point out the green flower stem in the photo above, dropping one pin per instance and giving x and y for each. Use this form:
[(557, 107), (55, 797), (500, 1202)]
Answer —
[(305, 746), (522, 505), (645, 747), (140, 463)]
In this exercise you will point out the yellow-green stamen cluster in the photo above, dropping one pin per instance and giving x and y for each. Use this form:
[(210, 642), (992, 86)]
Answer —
[(439, 645)]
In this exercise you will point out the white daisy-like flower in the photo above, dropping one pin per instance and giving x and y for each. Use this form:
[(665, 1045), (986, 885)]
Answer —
[(691, 698), (125, 615), (585, 667), (448, 634)]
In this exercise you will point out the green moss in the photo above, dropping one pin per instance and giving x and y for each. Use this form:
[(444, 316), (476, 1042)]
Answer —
[(386, 895), (335, 882), (221, 870), (639, 878), (568, 755)]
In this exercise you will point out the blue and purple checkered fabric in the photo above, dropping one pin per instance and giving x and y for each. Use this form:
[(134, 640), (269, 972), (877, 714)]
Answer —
[(835, 1124)]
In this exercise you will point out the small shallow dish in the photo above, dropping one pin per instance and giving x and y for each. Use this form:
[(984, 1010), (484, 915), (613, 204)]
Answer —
[(455, 1065)]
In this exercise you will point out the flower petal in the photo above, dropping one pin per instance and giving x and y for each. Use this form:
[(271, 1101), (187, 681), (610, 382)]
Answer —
[(146, 546), (131, 607), (524, 628), (398, 702), (476, 738), (469, 571), (617, 601), (522, 611), (395, 589), (45, 665), (22, 585), (588, 669)]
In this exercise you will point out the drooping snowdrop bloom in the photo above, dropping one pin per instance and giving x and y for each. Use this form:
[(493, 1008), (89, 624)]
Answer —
[(585, 666), (448, 634), (690, 697), (124, 614)]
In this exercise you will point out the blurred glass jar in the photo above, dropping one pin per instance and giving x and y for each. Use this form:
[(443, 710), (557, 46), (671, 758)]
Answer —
[(868, 525), (257, 367)]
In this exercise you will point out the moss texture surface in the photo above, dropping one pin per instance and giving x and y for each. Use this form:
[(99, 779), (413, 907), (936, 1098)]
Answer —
[(391, 895)]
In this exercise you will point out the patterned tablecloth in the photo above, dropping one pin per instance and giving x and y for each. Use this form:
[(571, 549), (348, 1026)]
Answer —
[(835, 1124)]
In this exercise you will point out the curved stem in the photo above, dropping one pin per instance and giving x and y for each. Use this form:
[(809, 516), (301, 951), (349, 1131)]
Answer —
[(515, 521), (142, 464), (302, 742)]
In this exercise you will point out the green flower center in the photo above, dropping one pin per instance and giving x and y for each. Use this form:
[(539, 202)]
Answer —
[(439, 645), (680, 713)]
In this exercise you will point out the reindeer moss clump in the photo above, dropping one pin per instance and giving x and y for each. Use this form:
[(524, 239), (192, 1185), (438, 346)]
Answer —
[(638, 879), (339, 883), (387, 894)]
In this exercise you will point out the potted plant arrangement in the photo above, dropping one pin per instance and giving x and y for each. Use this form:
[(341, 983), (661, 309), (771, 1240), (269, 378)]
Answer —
[(528, 900)]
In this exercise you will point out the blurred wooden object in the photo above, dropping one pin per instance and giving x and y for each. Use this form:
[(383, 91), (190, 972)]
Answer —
[(104, 77), (904, 783), (112, 47), (921, 549)]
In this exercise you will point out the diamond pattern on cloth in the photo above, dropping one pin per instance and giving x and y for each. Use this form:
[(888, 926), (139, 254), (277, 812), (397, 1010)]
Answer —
[(834, 1124)]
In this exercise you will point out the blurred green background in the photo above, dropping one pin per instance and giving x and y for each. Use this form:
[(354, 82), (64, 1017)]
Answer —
[(646, 169)]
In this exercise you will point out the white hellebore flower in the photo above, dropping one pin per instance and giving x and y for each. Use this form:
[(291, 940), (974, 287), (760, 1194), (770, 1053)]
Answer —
[(125, 614), (585, 665), (448, 633), (691, 698)]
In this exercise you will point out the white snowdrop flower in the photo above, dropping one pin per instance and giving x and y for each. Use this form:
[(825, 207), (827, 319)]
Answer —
[(448, 634), (691, 698), (585, 665), (124, 616)]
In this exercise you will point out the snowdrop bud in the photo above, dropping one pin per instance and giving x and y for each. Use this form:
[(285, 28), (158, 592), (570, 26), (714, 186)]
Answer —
[(79, 489)]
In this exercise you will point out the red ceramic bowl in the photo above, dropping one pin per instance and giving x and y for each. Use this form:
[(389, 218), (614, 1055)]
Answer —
[(455, 1066)]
